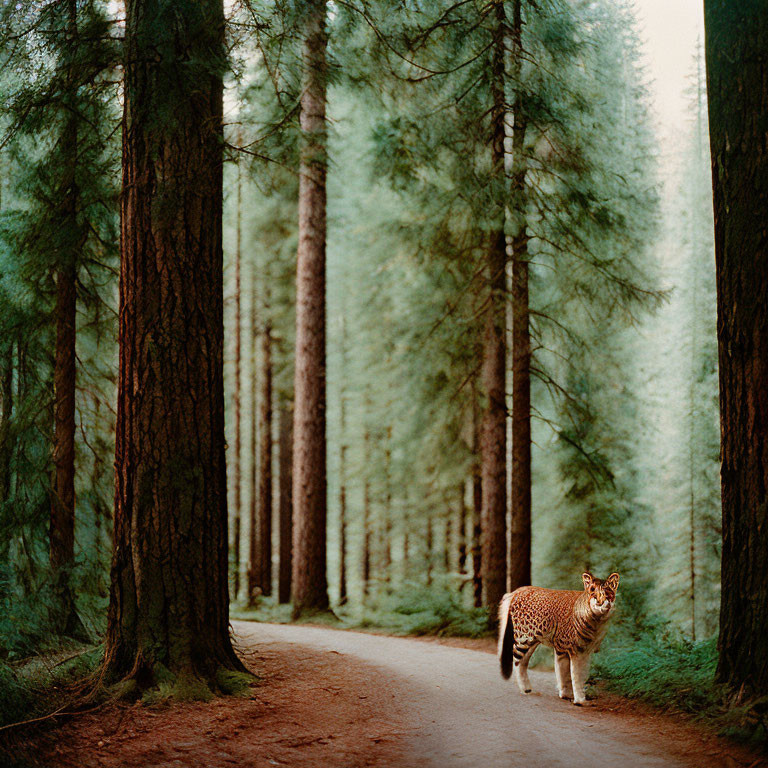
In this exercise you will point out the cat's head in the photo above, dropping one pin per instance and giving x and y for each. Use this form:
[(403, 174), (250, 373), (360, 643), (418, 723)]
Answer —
[(602, 592)]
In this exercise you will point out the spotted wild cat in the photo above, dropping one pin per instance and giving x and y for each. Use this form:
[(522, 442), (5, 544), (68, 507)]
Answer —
[(573, 623)]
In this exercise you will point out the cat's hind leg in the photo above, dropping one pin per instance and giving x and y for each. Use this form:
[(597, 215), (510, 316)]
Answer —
[(522, 654), (563, 675)]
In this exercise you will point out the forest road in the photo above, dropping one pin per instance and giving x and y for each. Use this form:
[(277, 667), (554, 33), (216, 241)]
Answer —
[(460, 713)]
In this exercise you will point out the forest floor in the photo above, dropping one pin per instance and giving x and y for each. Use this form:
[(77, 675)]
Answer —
[(330, 698)]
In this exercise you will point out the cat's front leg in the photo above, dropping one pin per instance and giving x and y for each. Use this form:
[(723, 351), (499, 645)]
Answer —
[(579, 674), (563, 675)]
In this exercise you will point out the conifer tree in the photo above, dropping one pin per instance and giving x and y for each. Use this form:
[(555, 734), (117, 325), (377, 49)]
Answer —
[(169, 597), (62, 238), (736, 36), (310, 590)]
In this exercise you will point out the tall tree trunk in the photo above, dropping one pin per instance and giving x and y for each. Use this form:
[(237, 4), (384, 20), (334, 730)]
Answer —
[(62, 517), (387, 522), (238, 481), (252, 575), (520, 538), (493, 442), (62, 522), (736, 41), (169, 597), (343, 596), (477, 510), (310, 584), (265, 464), (366, 517), (285, 459)]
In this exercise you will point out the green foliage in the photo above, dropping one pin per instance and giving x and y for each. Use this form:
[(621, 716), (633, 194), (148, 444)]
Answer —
[(419, 610), (662, 671)]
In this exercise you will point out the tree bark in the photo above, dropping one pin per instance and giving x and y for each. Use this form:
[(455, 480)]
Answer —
[(736, 41), (493, 442), (429, 545), (343, 596), (477, 510), (169, 597), (252, 575), (366, 518), (310, 585), (238, 483), (6, 403), (520, 538), (265, 465), (286, 504), (62, 519), (461, 548), (62, 513)]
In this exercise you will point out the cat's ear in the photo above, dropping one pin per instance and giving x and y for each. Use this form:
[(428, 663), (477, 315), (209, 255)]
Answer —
[(612, 582), (587, 578)]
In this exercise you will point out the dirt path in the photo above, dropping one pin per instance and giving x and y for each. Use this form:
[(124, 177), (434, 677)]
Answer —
[(335, 699), (460, 713)]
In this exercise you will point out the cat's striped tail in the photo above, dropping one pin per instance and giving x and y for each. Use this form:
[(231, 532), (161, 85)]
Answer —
[(506, 637)]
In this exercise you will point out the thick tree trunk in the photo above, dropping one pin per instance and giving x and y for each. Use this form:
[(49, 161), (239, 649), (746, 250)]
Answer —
[(237, 479), (285, 459), (310, 585), (169, 599), (736, 42), (493, 441), (265, 465)]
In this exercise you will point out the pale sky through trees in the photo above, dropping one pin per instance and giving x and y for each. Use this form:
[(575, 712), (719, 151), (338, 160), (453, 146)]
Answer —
[(669, 30)]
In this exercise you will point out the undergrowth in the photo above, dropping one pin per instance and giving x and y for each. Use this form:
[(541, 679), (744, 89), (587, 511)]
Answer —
[(677, 674), (416, 610)]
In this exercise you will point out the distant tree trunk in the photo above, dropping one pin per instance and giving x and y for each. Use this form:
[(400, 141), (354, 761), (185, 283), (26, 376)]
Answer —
[(736, 41), (477, 511), (62, 515), (238, 483), (265, 465), (6, 403), (366, 518), (342, 526), (462, 528), (62, 523), (387, 527), (520, 539), (310, 585), (493, 442), (448, 532), (343, 596), (169, 597), (285, 459), (252, 576), (429, 545)]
